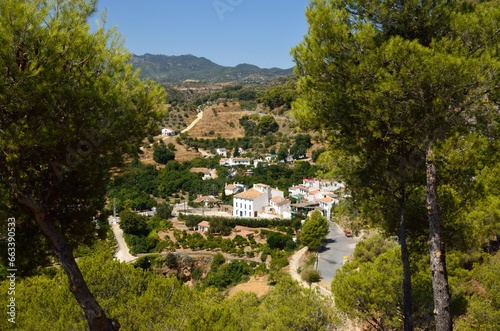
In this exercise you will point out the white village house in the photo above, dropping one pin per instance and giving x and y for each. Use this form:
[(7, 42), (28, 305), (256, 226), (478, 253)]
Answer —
[(203, 226), (280, 206), (167, 132), (234, 188), (221, 151), (231, 162), (256, 202), (205, 171)]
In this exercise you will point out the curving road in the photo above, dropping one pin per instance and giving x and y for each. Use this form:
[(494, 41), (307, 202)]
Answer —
[(335, 247), (122, 254)]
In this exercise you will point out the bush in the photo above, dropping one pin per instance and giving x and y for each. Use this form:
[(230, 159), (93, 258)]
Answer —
[(171, 261), (133, 223), (161, 154), (310, 276), (164, 210)]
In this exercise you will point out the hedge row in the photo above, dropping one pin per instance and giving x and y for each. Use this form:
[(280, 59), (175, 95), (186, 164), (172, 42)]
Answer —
[(193, 220)]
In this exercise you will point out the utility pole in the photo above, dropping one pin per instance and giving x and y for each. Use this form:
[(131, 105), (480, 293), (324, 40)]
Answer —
[(114, 209)]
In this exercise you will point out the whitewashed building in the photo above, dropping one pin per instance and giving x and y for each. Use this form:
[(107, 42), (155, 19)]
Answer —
[(221, 151), (261, 200), (236, 161), (167, 132), (249, 203), (281, 207)]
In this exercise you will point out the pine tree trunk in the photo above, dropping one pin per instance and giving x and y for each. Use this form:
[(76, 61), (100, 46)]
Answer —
[(405, 257), (96, 318), (442, 310)]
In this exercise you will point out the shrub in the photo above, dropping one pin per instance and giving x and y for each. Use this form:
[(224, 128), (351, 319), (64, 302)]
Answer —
[(310, 276)]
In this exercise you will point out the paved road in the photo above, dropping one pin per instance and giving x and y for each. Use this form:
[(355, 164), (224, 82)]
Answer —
[(122, 254), (330, 254)]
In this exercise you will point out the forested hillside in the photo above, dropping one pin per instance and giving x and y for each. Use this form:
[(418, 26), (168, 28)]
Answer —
[(176, 69)]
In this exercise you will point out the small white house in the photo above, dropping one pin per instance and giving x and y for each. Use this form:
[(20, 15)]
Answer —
[(167, 132), (234, 161), (280, 206), (205, 171), (241, 161), (221, 151), (203, 226), (234, 188)]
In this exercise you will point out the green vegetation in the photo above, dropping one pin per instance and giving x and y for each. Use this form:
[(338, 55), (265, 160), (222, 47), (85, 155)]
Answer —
[(223, 274), (162, 154), (405, 94), (71, 106), (231, 222), (137, 184), (314, 231), (372, 291), (164, 303), (310, 276)]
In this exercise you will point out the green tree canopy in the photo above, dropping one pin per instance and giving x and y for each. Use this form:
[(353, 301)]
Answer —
[(391, 82), (164, 210), (372, 291), (162, 154), (70, 107), (314, 230), (267, 123), (133, 223)]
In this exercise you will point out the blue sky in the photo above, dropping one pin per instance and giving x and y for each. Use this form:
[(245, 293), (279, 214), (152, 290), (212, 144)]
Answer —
[(227, 32)]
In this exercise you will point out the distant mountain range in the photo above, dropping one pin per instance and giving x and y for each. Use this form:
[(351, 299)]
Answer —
[(179, 68)]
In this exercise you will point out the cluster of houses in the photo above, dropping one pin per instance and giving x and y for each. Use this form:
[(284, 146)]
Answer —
[(319, 194), (263, 201)]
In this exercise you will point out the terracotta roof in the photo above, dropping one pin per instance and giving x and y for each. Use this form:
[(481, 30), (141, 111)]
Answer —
[(204, 223), (314, 191), (280, 201), (326, 200), (230, 186), (206, 198), (202, 170), (249, 194)]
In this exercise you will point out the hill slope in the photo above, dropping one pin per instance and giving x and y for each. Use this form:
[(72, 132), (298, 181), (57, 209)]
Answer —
[(176, 69)]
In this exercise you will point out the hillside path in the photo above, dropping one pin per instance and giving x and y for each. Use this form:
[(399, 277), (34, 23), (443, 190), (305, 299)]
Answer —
[(193, 123), (294, 265)]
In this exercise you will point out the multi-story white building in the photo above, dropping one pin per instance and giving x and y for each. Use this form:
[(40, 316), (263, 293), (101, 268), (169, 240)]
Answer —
[(326, 204), (249, 203), (258, 200)]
